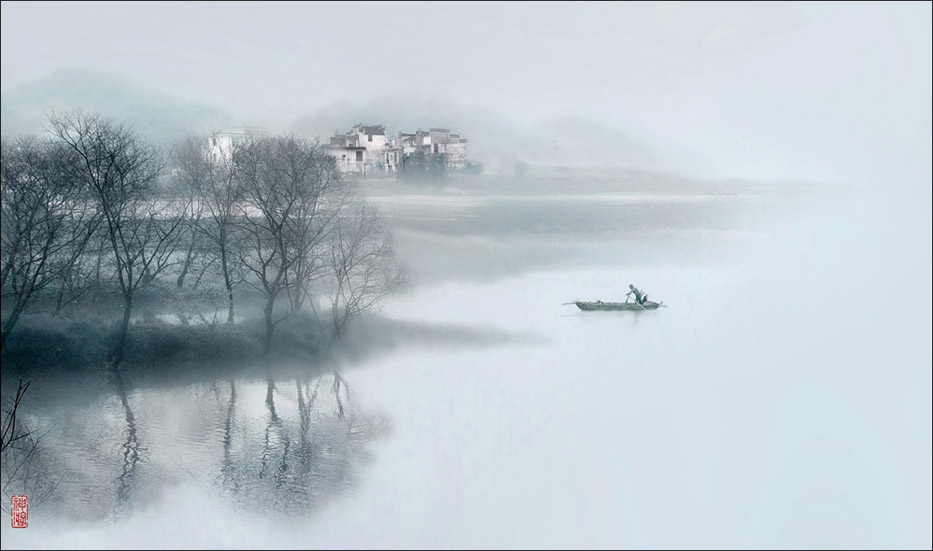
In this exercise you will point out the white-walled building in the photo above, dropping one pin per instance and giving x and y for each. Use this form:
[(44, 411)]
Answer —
[(222, 143), (364, 150), (435, 141)]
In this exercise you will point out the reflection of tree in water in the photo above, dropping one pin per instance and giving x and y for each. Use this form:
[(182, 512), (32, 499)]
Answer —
[(295, 475), (227, 471), (282, 438), (273, 421), (338, 381), (286, 445), (130, 450), (305, 452)]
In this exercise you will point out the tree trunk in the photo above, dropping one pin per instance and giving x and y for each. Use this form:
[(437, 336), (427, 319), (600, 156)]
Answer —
[(11, 321), (60, 298), (299, 296), (230, 308), (116, 353), (180, 282), (270, 326), (227, 283)]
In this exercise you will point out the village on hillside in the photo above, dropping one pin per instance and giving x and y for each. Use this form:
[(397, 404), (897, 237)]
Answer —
[(367, 151)]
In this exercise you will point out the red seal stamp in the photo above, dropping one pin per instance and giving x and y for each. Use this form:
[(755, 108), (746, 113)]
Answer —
[(19, 511)]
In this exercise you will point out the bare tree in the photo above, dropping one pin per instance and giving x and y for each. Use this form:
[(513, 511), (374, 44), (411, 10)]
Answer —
[(188, 234), (316, 223), (362, 263), (90, 271), (120, 170), (207, 173), (46, 221), (286, 183)]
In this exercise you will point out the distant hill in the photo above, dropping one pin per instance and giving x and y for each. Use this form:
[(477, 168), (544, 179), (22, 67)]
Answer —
[(493, 138), (159, 116)]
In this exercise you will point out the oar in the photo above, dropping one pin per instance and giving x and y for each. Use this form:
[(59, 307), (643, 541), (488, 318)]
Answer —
[(636, 302)]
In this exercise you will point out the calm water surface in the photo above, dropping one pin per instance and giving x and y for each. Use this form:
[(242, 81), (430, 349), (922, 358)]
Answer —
[(763, 407)]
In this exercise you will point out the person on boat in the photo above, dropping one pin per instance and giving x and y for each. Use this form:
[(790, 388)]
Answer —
[(634, 291)]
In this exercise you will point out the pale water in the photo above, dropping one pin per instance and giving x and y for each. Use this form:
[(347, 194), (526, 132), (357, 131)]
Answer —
[(782, 399)]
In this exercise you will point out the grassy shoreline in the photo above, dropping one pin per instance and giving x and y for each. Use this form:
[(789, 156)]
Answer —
[(43, 341)]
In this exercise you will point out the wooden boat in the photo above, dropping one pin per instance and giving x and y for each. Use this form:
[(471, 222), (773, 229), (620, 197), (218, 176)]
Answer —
[(634, 306)]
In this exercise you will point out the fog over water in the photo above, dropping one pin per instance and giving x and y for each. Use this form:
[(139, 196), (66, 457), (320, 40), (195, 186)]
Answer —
[(778, 401), (780, 398)]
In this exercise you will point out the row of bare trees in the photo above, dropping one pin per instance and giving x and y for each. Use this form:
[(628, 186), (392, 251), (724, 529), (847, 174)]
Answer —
[(95, 206), (46, 222)]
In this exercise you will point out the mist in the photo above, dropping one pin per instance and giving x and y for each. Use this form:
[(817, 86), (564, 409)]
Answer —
[(763, 171), (765, 91)]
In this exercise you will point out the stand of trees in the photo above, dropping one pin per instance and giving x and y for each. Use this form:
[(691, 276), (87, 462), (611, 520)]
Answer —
[(423, 166), (47, 222), (96, 210)]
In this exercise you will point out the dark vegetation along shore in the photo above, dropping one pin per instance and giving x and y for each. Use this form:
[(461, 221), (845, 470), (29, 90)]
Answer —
[(116, 251)]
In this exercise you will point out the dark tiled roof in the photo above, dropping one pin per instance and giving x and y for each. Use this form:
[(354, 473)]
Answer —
[(375, 130)]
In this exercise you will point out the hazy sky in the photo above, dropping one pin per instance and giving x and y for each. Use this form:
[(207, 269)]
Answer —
[(769, 90)]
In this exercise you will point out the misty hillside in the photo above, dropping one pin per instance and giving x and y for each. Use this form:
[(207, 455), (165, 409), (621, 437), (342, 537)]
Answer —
[(494, 139), (160, 116)]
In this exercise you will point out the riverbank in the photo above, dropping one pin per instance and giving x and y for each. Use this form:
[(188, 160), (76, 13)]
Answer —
[(437, 238), (44, 341)]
